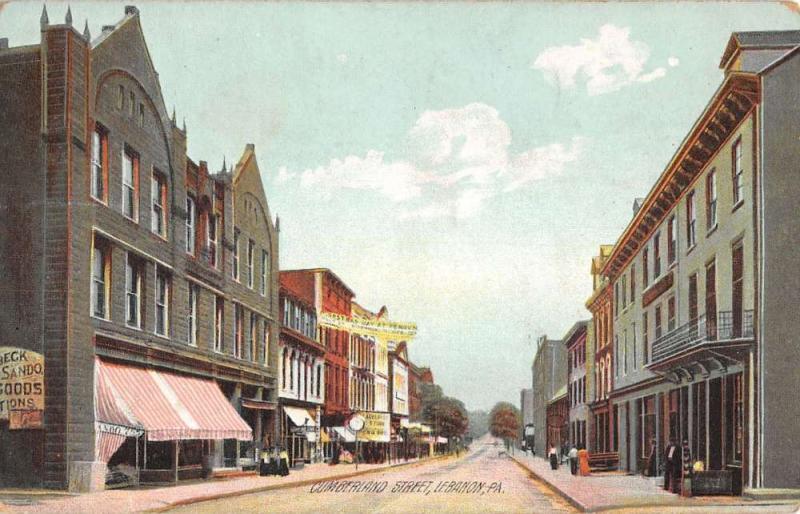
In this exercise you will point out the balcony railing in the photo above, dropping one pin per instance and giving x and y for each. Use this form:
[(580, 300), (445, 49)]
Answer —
[(726, 327)]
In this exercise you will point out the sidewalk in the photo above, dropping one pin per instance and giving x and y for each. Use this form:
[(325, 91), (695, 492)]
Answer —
[(607, 491), (156, 499)]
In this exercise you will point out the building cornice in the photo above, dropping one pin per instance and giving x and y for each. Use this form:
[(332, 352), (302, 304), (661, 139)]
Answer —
[(728, 107)]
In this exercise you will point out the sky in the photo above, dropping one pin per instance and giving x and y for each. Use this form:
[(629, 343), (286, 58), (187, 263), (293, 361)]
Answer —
[(459, 163)]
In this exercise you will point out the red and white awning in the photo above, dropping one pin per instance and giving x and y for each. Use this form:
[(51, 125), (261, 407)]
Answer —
[(166, 405)]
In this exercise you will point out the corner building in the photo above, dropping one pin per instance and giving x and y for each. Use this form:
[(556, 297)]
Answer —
[(146, 283), (702, 289)]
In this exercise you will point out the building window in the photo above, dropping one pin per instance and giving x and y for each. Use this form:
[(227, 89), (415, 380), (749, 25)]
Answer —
[(120, 97), (235, 270), (133, 291), (265, 342), (130, 185), (251, 250), (191, 223), (645, 338), (625, 352), (253, 336), (738, 184), (691, 221), (219, 322), (162, 302), (141, 115), (624, 292), (99, 164), (645, 268), (264, 268), (616, 299), (616, 353), (634, 348), (158, 191), (672, 240), (287, 305), (238, 331), (737, 288), (191, 319), (671, 314), (711, 199), (131, 103), (711, 300), (657, 255), (633, 282), (212, 239), (101, 277), (658, 322)]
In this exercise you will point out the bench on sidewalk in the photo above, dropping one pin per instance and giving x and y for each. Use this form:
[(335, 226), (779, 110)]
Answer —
[(606, 461)]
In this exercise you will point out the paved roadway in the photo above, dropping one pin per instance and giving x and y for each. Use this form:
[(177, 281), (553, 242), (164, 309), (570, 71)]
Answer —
[(482, 482)]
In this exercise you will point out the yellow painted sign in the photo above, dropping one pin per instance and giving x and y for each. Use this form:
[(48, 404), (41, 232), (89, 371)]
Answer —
[(392, 330), (376, 427), (21, 380)]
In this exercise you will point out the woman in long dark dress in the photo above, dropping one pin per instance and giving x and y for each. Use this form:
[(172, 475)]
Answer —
[(284, 465), (553, 454)]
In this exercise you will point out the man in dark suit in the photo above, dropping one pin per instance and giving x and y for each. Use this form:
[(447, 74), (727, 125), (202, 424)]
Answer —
[(670, 457)]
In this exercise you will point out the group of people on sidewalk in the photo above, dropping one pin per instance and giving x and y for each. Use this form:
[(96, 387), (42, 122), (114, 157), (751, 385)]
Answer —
[(578, 460)]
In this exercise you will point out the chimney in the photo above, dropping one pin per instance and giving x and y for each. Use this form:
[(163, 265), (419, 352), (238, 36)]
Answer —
[(131, 10), (108, 28)]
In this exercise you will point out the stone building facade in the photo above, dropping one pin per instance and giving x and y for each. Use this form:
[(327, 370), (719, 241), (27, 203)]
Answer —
[(113, 272)]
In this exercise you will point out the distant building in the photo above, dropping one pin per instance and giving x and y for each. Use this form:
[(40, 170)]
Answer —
[(526, 409), (579, 415), (549, 375)]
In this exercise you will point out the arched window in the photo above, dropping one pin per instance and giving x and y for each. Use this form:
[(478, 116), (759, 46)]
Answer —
[(292, 361)]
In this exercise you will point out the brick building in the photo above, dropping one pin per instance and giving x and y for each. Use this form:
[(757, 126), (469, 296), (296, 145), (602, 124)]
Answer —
[(301, 373), (144, 281), (577, 378), (549, 376)]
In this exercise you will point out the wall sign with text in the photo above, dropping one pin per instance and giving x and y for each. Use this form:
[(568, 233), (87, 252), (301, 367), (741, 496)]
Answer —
[(21, 386)]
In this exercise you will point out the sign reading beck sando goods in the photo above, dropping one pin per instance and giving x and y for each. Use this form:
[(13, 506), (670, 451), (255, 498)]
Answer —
[(376, 427), (21, 386)]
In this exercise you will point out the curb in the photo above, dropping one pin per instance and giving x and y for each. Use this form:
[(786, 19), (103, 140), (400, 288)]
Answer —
[(289, 485), (572, 501)]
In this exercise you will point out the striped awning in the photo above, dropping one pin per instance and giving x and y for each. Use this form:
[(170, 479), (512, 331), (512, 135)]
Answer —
[(166, 405)]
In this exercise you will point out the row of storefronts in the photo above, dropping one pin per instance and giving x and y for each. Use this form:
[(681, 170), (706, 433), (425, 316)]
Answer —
[(690, 337), (150, 335)]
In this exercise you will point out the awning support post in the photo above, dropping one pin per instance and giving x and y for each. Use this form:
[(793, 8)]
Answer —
[(138, 473), (145, 451), (177, 449)]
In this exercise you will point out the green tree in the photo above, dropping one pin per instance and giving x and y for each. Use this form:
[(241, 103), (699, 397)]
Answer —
[(504, 422)]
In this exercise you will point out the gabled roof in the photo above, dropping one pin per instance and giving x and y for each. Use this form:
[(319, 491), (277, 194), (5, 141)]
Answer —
[(761, 40)]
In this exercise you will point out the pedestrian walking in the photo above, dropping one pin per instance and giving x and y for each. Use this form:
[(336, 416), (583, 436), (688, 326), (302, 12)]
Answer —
[(284, 462), (670, 455), (553, 454), (583, 462), (573, 460)]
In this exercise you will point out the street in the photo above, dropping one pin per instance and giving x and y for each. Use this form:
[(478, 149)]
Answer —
[(482, 481)]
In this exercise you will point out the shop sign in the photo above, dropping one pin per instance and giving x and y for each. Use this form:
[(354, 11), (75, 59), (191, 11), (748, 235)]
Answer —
[(21, 383), (376, 427)]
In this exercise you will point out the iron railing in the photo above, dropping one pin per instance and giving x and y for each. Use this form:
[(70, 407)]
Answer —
[(725, 327)]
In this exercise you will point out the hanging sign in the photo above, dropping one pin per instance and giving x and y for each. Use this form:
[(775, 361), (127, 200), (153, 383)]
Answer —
[(21, 381), (376, 427), (364, 326)]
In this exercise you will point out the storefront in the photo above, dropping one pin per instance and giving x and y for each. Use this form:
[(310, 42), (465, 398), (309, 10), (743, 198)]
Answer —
[(300, 434), (160, 426)]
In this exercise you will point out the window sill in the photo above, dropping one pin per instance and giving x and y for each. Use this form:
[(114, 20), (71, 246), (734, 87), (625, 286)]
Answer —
[(672, 265), (162, 336), (100, 201), (689, 250), (133, 327), (737, 205), (711, 230), (135, 220), (100, 318)]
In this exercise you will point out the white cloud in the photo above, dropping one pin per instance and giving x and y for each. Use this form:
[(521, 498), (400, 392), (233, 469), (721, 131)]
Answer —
[(607, 63), (342, 58), (454, 160), (673, 61)]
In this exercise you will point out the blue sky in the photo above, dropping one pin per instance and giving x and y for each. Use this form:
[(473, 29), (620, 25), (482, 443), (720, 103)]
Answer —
[(457, 162)]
